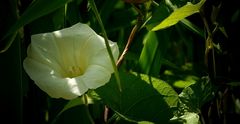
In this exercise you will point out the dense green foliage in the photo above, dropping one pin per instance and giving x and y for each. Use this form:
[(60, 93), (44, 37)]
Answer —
[(181, 63)]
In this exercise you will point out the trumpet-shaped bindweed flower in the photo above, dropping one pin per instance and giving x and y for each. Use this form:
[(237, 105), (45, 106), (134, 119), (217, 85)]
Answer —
[(68, 62)]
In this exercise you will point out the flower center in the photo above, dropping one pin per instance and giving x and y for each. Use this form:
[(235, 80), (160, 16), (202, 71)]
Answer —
[(74, 71)]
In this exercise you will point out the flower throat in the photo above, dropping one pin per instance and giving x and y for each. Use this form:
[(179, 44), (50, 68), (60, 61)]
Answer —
[(74, 71)]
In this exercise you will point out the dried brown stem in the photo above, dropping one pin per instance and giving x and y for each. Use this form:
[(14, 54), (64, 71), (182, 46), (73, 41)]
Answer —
[(130, 39)]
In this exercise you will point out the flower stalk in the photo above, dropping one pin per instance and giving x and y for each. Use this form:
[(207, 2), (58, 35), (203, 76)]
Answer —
[(85, 100), (116, 73)]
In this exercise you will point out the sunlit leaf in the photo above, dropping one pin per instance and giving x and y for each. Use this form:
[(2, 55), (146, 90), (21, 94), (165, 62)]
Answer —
[(179, 14), (142, 98), (197, 94), (163, 88), (159, 14), (145, 122), (187, 118), (182, 83)]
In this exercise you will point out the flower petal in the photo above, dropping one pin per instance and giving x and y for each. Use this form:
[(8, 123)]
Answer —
[(44, 77), (70, 42), (96, 76), (43, 49), (68, 47), (68, 62), (102, 57)]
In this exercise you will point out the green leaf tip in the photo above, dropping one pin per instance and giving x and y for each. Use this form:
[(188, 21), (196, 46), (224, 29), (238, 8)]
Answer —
[(179, 14)]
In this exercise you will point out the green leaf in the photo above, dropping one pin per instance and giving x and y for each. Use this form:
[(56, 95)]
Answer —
[(142, 98), (125, 15), (73, 103), (48, 23), (183, 83), (37, 9), (106, 9), (169, 94), (193, 27), (148, 52), (187, 118), (179, 14), (76, 115), (12, 79), (159, 14), (154, 49), (73, 15), (197, 94), (145, 122)]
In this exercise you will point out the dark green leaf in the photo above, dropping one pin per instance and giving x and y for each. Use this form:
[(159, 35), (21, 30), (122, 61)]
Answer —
[(12, 78), (75, 115), (73, 15), (12, 87), (148, 52), (37, 9), (48, 23), (91, 97), (142, 98), (72, 103), (106, 9), (192, 27)]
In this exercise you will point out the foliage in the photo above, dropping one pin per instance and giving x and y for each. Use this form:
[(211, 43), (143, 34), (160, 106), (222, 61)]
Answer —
[(180, 62)]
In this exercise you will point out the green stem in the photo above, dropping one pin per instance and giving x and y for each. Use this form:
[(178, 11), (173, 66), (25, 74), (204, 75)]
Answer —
[(85, 100), (209, 43), (94, 8), (155, 3)]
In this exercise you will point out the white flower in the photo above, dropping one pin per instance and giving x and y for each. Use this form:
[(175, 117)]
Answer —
[(68, 62)]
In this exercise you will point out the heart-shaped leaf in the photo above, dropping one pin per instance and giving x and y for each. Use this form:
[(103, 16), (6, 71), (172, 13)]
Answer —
[(142, 98)]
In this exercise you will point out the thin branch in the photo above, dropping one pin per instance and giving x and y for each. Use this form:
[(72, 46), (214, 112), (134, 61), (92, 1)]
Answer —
[(132, 35)]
